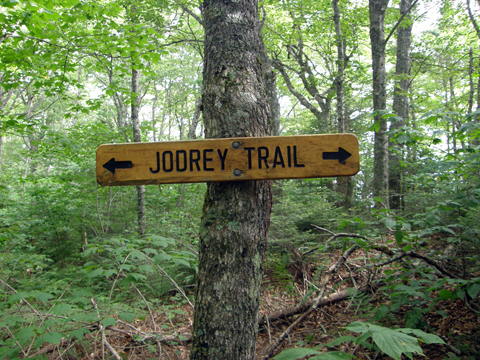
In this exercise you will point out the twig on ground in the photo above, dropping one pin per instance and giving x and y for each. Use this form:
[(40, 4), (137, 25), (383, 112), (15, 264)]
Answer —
[(322, 229), (131, 327), (412, 254), (120, 273), (148, 307), (268, 330), (107, 344), (333, 238), (164, 273), (23, 300), (16, 342), (449, 345), (102, 332), (316, 303)]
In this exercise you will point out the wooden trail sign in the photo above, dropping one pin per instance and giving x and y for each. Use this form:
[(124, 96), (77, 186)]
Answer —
[(231, 159)]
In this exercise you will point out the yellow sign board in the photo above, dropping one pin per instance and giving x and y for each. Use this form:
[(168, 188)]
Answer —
[(231, 159)]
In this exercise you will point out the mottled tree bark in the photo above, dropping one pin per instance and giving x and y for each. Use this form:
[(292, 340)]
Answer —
[(470, 81), (270, 79), (4, 99), (137, 138), (340, 67), (192, 129), (377, 10), (400, 105), (343, 183), (236, 215), (475, 141)]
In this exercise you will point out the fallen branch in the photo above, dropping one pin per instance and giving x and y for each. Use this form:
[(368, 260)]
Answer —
[(47, 349), (413, 254), (107, 344), (386, 250), (23, 300), (294, 310), (335, 236), (102, 332), (315, 305), (148, 307)]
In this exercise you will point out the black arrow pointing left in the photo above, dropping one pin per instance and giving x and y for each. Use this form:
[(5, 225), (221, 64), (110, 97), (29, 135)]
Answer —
[(112, 165)]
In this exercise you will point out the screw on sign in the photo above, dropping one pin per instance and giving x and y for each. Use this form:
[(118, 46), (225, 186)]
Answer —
[(232, 159)]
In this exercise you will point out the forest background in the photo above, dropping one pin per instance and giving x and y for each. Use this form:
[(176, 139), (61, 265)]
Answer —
[(78, 259)]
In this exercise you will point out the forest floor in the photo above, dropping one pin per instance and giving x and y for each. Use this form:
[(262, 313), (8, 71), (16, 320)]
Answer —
[(450, 319)]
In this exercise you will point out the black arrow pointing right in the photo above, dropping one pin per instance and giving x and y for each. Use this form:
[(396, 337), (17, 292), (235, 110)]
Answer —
[(112, 165), (341, 155)]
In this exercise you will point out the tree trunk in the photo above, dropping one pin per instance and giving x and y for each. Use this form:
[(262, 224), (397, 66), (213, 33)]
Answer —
[(236, 215), (192, 129), (343, 183), (4, 99), (471, 16), (470, 81), (400, 105), (154, 116), (137, 138), (270, 79), (377, 10)]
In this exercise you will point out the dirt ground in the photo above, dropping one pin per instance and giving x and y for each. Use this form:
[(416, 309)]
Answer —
[(456, 322)]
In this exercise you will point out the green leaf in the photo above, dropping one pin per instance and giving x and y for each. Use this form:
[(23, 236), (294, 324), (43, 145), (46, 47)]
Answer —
[(24, 335), (390, 223), (375, 126), (78, 333), (460, 293), (403, 138), (399, 237), (150, 251), (19, 296), (431, 219), (407, 247), (447, 229), (343, 224), (61, 309), (88, 317), (473, 290), (9, 3), (43, 297), (127, 317), (333, 355), (394, 343), (357, 327), (295, 353), (125, 267), (341, 340), (445, 294), (162, 257), (108, 273), (181, 262), (362, 338), (96, 273), (51, 337), (443, 313), (108, 321), (425, 337), (146, 268)]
